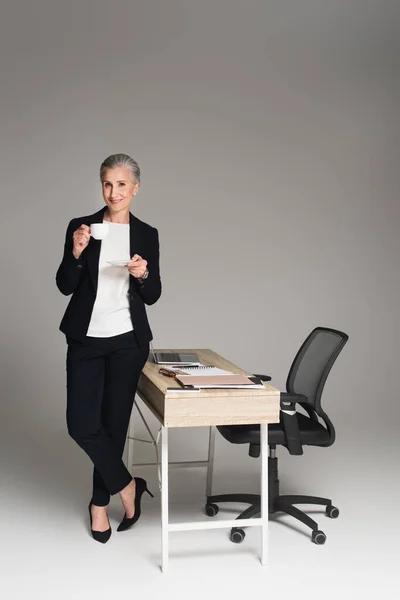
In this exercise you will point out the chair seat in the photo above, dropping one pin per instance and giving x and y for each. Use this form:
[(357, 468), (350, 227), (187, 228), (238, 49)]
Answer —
[(312, 433)]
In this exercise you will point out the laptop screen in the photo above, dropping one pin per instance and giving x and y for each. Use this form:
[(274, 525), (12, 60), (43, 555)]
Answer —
[(172, 357)]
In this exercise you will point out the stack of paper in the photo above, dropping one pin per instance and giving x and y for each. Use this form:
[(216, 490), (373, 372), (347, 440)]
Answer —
[(219, 381)]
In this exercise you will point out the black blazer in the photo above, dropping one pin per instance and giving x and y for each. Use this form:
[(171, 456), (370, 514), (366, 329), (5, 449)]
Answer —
[(79, 277)]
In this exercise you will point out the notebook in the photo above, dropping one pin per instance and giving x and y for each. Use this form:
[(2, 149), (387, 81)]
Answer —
[(202, 370)]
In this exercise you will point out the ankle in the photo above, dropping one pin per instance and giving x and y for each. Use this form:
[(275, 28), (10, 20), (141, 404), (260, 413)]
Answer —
[(100, 508), (128, 490)]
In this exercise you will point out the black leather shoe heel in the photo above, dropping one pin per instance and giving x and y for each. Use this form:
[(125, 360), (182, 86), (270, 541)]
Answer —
[(141, 487), (99, 536)]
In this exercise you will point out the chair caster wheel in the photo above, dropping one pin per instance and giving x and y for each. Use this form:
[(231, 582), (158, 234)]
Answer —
[(332, 512), (318, 537), (211, 510), (237, 535)]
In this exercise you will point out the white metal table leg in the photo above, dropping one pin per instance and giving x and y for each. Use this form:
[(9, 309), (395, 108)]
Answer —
[(264, 493), (164, 499), (210, 463)]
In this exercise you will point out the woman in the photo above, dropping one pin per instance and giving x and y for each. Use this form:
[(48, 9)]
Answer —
[(108, 335)]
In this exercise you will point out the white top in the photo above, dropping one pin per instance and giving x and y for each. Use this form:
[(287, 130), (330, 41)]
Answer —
[(111, 315)]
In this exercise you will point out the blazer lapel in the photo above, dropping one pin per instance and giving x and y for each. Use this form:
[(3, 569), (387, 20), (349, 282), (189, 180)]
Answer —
[(93, 249), (135, 242)]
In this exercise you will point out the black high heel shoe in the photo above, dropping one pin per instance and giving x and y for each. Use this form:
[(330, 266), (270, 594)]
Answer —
[(141, 487), (99, 536)]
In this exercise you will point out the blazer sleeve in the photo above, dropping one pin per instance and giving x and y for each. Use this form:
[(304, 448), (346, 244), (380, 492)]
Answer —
[(150, 289), (70, 270)]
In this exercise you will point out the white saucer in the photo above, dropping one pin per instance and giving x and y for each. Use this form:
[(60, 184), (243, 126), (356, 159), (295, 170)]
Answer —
[(119, 263)]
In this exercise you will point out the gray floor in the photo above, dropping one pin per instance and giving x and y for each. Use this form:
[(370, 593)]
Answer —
[(47, 551)]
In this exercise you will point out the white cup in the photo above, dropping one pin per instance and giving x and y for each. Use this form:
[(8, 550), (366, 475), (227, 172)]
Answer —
[(99, 230)]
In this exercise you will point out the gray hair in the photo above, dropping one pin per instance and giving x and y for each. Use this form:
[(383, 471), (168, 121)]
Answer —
[(121, 160)]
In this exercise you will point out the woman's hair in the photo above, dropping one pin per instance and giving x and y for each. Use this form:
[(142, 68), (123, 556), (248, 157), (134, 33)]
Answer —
[(121, 160)]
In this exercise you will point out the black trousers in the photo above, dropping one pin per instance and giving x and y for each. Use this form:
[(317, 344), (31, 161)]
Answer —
[(102, 376)]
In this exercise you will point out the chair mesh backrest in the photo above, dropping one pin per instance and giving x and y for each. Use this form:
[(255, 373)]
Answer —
[(313, 362)]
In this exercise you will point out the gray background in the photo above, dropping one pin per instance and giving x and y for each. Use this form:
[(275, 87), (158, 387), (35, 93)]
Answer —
[(267, 134)]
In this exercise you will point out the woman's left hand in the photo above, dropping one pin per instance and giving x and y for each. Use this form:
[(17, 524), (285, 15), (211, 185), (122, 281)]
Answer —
[(137, 267)]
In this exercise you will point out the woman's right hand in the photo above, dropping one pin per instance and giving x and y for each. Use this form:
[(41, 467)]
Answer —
[(80, 239)]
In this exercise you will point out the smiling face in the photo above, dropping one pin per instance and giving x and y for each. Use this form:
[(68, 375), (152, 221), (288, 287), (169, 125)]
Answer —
[(118, 189)]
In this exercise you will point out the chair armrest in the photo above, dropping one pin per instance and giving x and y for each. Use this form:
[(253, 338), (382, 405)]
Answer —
[(262, 377), (289, 401), (290, 422)]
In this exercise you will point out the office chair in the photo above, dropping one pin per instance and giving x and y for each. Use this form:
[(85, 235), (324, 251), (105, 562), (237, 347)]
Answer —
[(304, 387)]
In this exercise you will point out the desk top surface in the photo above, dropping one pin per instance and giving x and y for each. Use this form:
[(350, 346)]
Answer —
[(175, 407), (206, 357)]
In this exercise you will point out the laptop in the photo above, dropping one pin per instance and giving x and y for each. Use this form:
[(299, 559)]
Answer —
[(172, 358)]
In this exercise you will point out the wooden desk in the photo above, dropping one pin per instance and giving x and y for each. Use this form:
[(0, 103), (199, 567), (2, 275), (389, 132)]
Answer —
[(180, 408)]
